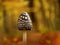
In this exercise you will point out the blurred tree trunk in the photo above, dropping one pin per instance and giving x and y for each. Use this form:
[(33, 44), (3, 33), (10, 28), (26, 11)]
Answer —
[(32, 14), (57, 19), (51, 15), (44, 19), (5, 20)]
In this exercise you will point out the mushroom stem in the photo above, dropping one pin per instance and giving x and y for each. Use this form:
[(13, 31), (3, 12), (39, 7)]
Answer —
[(24, 37)]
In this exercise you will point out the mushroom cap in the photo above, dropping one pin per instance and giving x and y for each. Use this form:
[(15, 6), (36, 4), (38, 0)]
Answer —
[(24, 21)]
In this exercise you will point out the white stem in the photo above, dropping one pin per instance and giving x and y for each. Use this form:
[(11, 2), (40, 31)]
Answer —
[(24, 38)]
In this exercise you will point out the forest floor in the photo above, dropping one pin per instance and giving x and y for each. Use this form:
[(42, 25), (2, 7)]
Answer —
[(50, 38)]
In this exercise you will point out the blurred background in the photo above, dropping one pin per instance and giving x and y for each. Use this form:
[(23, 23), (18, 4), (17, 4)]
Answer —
[(45, 16)]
